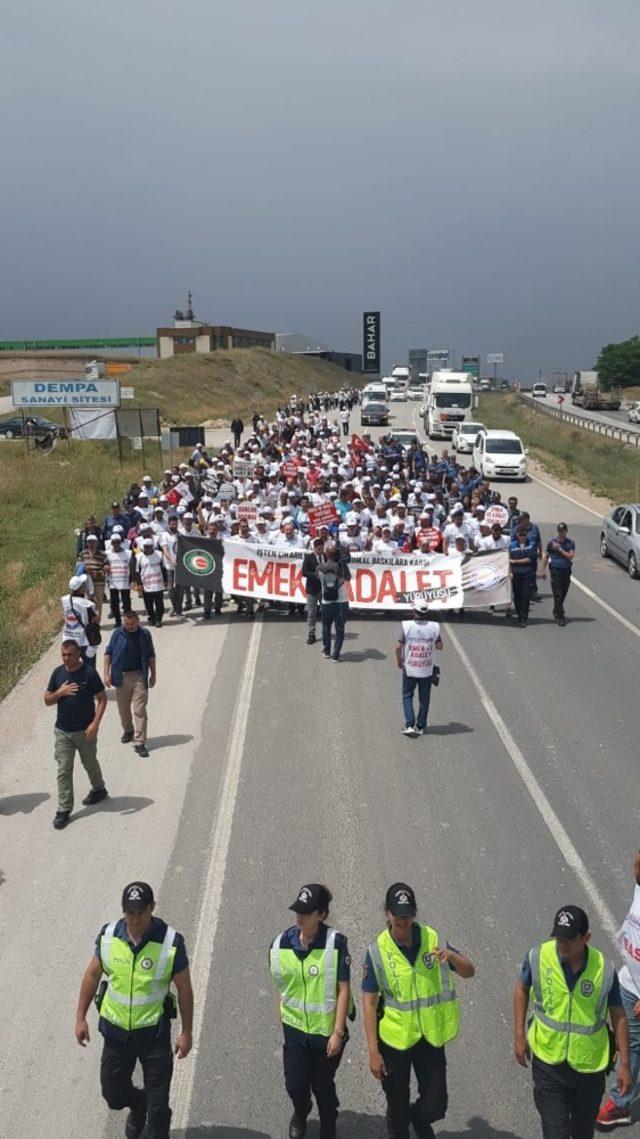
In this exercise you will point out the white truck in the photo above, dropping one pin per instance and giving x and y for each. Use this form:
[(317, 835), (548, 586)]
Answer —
[(449, 402), (401, 375)]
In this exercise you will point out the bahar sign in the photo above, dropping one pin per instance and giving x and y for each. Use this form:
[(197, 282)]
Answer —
[(65, 393)]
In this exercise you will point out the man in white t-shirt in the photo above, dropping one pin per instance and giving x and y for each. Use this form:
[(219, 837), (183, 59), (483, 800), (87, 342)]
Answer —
[(78, 611), (495, 540), (417, 642), (616, 1110)]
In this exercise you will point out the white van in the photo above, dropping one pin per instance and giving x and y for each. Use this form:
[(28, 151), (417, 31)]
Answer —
[(539, 391), (374, 391), (500, 455)]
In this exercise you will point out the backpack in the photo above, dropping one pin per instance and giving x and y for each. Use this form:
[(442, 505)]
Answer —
[(330, 586)]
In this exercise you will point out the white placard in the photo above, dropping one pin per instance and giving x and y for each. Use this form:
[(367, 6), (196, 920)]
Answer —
[(81, 392)]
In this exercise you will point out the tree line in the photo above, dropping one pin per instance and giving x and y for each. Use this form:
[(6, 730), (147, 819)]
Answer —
[(618, 365)]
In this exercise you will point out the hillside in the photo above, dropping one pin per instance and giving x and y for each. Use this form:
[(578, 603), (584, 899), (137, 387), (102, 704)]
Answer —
[(198, 388)]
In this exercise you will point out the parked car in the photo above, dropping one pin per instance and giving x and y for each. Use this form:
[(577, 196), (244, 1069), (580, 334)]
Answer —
[(620, 537), (464, 436), (500, 455), (634, 412), (415, 393), (35, 424), (539, 391), (374, 413), (398, 395)]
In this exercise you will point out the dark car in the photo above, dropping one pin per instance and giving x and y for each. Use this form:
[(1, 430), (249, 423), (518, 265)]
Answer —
[(374, 414), (35, 425)]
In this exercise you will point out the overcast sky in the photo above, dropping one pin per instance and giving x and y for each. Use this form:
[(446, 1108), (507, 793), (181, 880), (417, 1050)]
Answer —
[(470, 169)]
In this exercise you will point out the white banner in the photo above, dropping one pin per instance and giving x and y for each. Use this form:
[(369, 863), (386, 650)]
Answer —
[(65, 393), (92, 424), (377, 581)]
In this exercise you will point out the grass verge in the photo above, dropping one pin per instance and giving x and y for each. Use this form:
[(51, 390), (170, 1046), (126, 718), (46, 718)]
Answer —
[(604, 466)]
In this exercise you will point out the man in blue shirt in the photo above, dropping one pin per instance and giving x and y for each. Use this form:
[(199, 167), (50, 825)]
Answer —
[(535, 538), (558, 556), (130, 666)]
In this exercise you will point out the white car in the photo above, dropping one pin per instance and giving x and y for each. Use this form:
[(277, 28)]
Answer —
[(415, 393), (539, 391), (634, 412), (465, 435), (398, 396), (500, 455)]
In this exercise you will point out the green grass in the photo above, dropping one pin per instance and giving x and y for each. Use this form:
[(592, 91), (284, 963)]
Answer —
[(604, 466)]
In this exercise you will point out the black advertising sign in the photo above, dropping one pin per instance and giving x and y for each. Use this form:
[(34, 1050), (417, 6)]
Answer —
[(371, 343)]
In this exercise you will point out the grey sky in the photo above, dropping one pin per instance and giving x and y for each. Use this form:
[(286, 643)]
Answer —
[(471, 169)]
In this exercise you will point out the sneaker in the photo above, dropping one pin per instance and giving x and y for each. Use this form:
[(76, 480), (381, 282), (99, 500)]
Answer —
[(610, 1115), (126, 737), (61, 819), (562, 622), (142, 750), (410, 731), (95, 796), (325, 654), (311, 640), (297, 1127), (336, 660), (136, 1121)]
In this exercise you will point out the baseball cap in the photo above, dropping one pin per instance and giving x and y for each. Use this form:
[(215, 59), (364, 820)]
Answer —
[(562, 526), (458, 509), (77, 581), (400, 900), (137, 896), (569, 922), (147, 541), (311, 898), (91, 538), (115, 505), (420, 606)]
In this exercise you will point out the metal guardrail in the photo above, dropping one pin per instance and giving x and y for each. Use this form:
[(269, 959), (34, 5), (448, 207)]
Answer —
[(598, 426)]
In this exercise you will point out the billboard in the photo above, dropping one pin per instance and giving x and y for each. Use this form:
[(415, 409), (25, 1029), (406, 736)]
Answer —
[(471, 364), (65, 393), (417, 362), (438, 356), (495, 358), (371, 343)]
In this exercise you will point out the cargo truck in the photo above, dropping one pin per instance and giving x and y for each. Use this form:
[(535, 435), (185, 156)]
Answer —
[(586, 392)]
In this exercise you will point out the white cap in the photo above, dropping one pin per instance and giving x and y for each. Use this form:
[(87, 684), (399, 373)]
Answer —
[(421, 607), (148, 542), (77, 582)]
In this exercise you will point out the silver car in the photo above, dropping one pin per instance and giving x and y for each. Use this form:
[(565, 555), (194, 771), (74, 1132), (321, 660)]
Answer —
[(620, 537)]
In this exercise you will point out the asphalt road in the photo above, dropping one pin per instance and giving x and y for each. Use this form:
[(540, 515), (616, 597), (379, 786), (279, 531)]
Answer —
[(269, 767), (617, 418)]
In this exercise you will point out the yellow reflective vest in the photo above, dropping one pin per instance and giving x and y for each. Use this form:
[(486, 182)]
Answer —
[(138, 983), (420, 1000), (308, 986), (569, 1024)]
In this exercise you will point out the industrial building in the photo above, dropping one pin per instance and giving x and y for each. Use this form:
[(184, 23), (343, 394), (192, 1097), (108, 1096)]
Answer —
[(190, 335), (297, 344)]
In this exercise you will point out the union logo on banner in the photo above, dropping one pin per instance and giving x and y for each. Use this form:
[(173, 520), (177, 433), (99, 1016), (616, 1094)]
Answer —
[(199, 562)]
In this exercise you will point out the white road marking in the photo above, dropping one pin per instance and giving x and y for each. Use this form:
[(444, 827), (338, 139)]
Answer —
[(555, 827), (220, 839), (568, 497), (608, 608)]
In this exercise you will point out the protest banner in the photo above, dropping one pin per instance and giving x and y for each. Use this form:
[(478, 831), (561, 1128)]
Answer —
[(496, 513), (289, 469), (247, 511), (319, 516), (243, 469), (377, 581), (199, 562)]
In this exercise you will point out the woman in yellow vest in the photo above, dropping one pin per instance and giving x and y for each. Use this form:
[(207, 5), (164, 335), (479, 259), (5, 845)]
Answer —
[(310, 965), (572, 986), (410, 1012)]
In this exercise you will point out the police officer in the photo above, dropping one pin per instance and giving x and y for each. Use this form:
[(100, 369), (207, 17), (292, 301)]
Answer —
[(310, 965), (410, 1012), (141, 956), (573, 985)]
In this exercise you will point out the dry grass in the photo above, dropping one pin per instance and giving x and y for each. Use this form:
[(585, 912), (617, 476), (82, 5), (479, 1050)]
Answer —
[(603, 466)]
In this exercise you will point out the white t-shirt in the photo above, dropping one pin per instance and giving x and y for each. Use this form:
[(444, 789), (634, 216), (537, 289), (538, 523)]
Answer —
[(451, 532), (629, 942), (491, 543), (75, 622), (419, 642)]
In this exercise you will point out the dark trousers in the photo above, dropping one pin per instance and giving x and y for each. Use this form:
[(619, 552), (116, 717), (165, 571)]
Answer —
[(191, 598), (521, 594), (307, 1069), (560, 582), (409, 685), (115, 597), (116, 1069), (430, 1067), (333, 613), (237, 436), (567, 1101), (209, 597), (154, 605)]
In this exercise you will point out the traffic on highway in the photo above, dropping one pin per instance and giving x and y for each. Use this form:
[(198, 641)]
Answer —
[(312, 706)]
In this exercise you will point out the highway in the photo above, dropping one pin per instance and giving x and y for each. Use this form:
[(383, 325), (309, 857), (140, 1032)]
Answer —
[(270, 767), (613, 418)]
